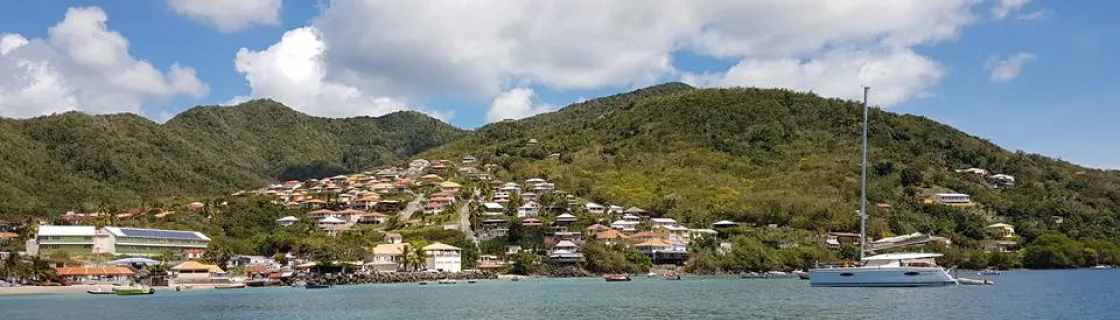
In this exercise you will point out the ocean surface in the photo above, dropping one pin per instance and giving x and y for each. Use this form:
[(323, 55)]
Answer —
[(1070, 294)]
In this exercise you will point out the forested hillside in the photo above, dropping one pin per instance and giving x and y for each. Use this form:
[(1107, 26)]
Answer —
[(74, 161), (791, 159)]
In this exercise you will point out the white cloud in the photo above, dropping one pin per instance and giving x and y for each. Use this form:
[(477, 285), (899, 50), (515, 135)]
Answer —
[(1003, 8), (292, 72), (229, 15), (480, 49), (894, 76), (371, 57), (516, 103), (1008, 68), (82, 65)]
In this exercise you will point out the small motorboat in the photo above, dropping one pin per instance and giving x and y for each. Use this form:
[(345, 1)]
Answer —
[(671, 276), (616, 277), (446, 281), (316, 286), (99, 290), (231, 286), (471, 281), (515, 279), (777, 274)]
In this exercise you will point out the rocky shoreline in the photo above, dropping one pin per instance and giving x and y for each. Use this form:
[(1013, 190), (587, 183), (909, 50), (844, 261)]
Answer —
[(399, 277)]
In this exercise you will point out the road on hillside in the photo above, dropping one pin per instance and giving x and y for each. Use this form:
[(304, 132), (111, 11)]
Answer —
[(465, 217), (410, 209)]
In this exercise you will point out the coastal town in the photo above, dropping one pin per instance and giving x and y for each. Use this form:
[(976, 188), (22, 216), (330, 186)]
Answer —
[(557, 234)]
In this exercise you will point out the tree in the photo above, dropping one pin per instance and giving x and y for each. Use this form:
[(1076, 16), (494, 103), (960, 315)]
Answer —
[(911, 177)]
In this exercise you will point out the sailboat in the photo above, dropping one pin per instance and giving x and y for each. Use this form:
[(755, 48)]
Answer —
[(885, 270)]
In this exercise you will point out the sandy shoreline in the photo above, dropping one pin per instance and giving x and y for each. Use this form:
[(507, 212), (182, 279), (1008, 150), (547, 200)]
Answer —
[(76, 289)]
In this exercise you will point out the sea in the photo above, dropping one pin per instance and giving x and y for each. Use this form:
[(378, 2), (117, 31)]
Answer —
[(1065, 294)]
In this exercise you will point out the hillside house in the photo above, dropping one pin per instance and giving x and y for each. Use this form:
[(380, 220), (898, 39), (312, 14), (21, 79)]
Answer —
[(625, 225), (493, 209), (951, 199), (449, 187), (529, 196), (595, 208), (1003, 238), (529, 209), (565, 252), (611, 237)]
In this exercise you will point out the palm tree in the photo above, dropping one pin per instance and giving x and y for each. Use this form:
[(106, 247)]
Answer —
[(412, 259)]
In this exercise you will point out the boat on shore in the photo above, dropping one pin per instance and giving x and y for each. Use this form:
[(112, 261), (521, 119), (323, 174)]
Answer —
[(616, 277)]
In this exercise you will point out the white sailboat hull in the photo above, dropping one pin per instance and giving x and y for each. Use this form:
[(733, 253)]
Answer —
[(880, 277)]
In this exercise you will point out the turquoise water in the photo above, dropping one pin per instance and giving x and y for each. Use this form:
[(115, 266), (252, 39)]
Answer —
[(1075, 294)]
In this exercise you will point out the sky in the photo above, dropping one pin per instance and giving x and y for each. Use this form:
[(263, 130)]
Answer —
[(1031, 75)]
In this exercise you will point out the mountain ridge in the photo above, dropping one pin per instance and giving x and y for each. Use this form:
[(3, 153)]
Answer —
[(74, 161)]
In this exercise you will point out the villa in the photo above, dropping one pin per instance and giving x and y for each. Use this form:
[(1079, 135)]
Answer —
[(664, 252), (442, 257), (387, 257), (595, 208), (950, 199), (625, 225), (493, 208), (530, 209), (565, 252), (1004, 236)]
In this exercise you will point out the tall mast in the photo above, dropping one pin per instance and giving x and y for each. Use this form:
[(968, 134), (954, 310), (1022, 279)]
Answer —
[(863, 183)]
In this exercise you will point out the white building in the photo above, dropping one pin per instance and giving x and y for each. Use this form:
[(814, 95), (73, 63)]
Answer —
[(625, 225), (530, 209), (595, 208), (952, 198), (114, 240), (72, 239), (330, 223), (148, 242), (443, 257)]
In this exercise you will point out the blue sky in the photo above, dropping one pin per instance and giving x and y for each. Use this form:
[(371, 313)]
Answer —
[(475, 64)]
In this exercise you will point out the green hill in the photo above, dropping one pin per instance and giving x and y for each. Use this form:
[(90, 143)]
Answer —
[(788, 158), (74, 161)]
